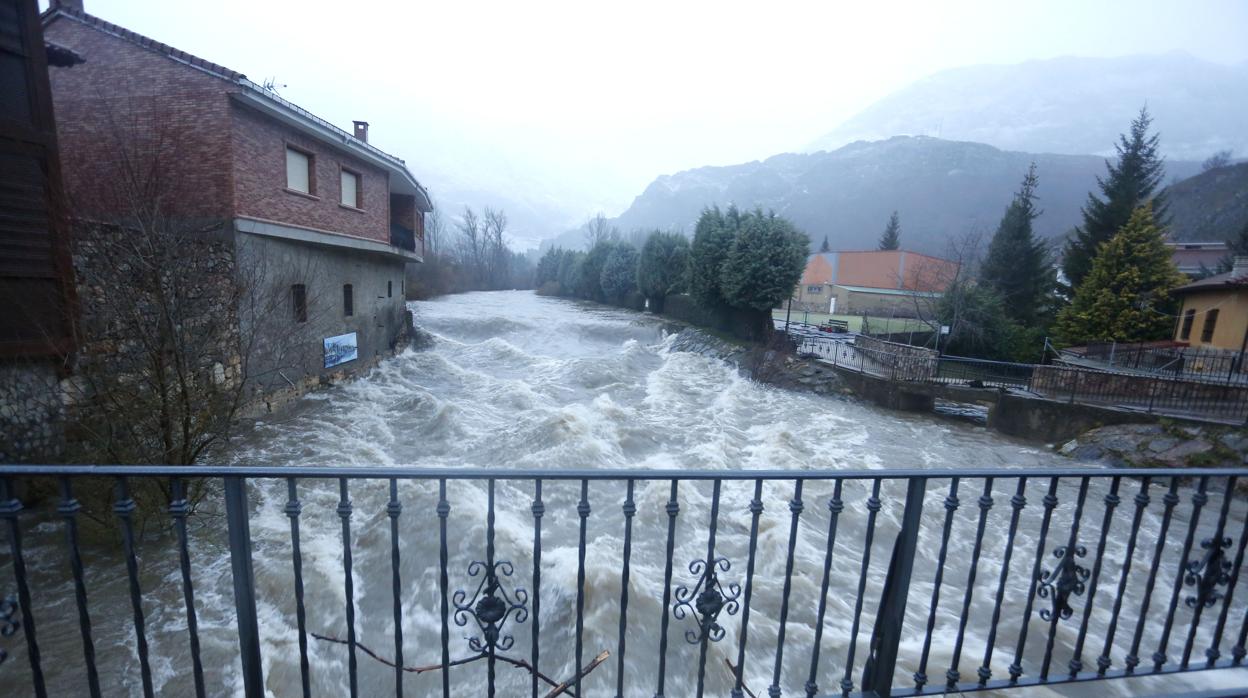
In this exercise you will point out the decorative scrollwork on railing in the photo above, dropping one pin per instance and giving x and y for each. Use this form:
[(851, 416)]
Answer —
[(491, 606), (8, 624), (1208, 573), (1063, 580), (706, 600)]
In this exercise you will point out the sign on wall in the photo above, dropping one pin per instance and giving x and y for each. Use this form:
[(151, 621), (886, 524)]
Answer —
[(340, 349)]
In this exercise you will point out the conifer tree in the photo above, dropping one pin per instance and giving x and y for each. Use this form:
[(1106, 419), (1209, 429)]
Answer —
[(712, 237), (891, 239), (825, 247), (661, 268), (1126, 296), (1017, 266), (619, 273), (763, 266), (1129, 183)]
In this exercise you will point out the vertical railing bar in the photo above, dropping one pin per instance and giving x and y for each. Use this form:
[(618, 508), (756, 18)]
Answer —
[(708, 574), (629, 509), (444, 510), (795, 509), (1104, 661), (293, 509), (951, 505), (1111, 503), (1213, 653), (881, 664), (490, 661), (179, 509), (873, 508), (393, 509), (1198, 502), (1072, 550), (538, 508), (756, 509), (1169, 501), (239, 523), (1217, 540), (1050, 503), (985, 503), (124, 507), (673, 508), (10, 508), (344, 513), (68, 509), (1017, 502), (582, 510), (835, 507)]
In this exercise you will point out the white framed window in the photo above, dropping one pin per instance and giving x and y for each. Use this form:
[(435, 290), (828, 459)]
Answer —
[(351, 189), (298, 170)]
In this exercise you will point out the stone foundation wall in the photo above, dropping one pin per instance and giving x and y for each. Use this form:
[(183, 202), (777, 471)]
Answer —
[(32, 412)]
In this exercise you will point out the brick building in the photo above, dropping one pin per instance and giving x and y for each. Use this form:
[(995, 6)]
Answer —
[(874, 282), (36, 278), (320, 215)]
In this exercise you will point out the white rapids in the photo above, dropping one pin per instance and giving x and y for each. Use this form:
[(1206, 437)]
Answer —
[(514, 380)]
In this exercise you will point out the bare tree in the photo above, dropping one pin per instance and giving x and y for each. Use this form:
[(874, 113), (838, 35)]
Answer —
[(1222, 158), (932, 288), (434, 231), (598, 230), (177, 333), (494, 224)]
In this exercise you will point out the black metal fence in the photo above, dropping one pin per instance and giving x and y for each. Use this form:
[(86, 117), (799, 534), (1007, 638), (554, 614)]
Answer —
[(1192, 363), (808, 583), (1152, 394)]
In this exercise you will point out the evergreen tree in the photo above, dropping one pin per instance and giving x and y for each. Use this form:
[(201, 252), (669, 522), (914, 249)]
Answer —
[(1129, 183), (569, 272), (595, 261), (661, 268), (763, 266), (891, 239), (712, 238), (825, 247), (619, 274), (1018, 267), (548, 266), (1126, 296), (1239, 243)]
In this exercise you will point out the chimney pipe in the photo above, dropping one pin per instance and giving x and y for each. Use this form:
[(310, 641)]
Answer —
[(1239, 267), (361, 130)]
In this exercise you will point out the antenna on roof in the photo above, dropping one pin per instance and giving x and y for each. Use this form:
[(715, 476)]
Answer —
[(270, 85)]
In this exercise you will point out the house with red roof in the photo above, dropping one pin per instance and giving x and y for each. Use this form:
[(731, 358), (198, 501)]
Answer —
[(871, 282)]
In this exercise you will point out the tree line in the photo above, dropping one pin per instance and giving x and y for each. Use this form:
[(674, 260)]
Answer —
[(472, 255), (1116, 280), (738, 267)]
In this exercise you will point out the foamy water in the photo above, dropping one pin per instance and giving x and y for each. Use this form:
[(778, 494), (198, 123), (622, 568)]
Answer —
[(516, 380)]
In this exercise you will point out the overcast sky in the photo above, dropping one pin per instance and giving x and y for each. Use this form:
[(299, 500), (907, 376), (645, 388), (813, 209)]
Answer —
[(602, 97)]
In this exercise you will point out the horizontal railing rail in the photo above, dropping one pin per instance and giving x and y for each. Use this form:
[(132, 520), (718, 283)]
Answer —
[(675, 582), (1155, 394)]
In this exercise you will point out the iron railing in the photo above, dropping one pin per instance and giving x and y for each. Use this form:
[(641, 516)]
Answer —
[(1152, 394), (1181, 361), (1058, 587)]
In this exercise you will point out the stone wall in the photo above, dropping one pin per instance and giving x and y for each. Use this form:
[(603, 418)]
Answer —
[(32, 413)]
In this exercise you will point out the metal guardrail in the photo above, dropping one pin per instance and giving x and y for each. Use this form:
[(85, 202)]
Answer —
[(1042, 629), (1152, 394)]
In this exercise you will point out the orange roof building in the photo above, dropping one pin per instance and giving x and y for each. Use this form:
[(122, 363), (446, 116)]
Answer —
[(871, 282)]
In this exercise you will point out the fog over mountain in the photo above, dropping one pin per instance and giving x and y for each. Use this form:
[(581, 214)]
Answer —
[(940, 189), (1066, 105)]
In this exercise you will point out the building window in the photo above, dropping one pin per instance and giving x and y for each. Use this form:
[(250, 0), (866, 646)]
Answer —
[(352, 195), (1189, 317), (1211, 321), (389, 289), (348, 300), (299, 171), (814, 289), (299, 301)]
